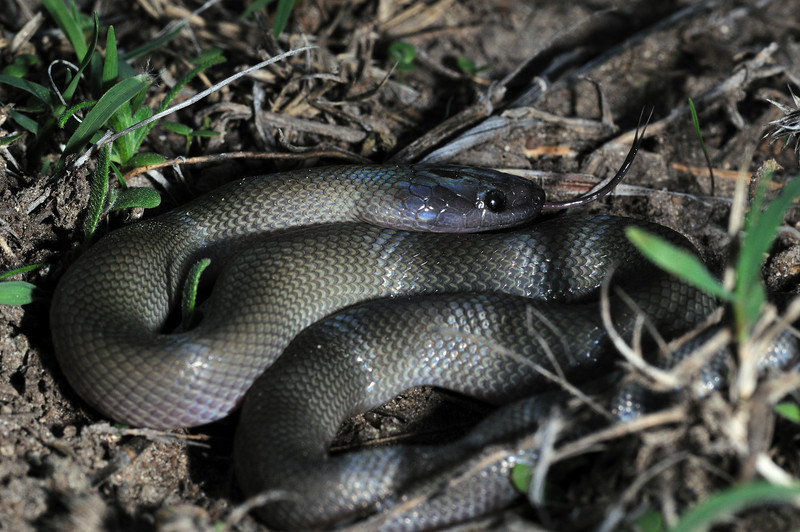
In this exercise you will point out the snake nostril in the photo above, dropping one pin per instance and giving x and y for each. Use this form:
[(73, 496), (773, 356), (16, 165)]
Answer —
[(494, 201)]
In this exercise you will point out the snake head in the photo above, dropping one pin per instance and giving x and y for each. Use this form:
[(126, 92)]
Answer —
[(452, 199)]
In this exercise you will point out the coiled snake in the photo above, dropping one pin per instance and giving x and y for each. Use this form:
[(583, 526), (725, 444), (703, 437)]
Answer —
[(457, 305)]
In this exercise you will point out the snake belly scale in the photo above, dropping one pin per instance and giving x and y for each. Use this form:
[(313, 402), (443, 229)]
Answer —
[(110, 307)]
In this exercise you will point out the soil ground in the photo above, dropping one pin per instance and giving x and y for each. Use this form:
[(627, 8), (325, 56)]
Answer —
[(64, 467)]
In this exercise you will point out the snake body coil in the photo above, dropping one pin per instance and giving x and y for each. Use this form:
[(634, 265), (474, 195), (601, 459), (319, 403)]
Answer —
[(110, 307), (486, 345)]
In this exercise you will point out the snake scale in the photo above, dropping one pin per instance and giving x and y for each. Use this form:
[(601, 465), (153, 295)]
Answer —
[(419, 308)]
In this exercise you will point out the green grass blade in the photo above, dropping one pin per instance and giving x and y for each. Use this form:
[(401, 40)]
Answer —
[(143, 197), (790, 411), (68, 24), (124, 147), (69, 92), (118, 95), (97, 193), (62, 120), (145, 159), (125, 70), (282, 16), (17, 293), (21, 269), (141, 114), (20, 66), (206, 133), (110, 64), (677, 261), (189, 299), (521, 476), (761, 228), (255, 6), (177, 127), (209, 60), (732, 500), (138, 107), (650, 522), (702, 142), (402, 54), (10, 139), (152, 45), (39, 92), (25, 122), (212, 60)]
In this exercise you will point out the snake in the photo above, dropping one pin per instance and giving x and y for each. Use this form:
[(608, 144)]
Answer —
[(110, 307), (536, 307), (336, 288)]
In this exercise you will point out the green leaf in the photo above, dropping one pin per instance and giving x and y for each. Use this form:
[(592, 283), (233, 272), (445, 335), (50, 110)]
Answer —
[(25, 122), (702, 142), (147, 198), (126, 146), (732, 500), (205, 133), (145, 159), (255, 6), (39, 92), (28, 60), (117, 96), (97, 193), (21, 269), (651, 522), (143, 113), (152, 45), (5, 141), (15, 70), (677, 261), (140, 111), (21, 65), (17, 293), (121, 119), (521, 476), (189, 299), (761, 228), (177, 127), (68, 24), (468, 65), (62, 120), (206, 56), (213, 60), (747, 309), (282, 16), (110, 64), (790, 411), (69, 92), (402, 52)]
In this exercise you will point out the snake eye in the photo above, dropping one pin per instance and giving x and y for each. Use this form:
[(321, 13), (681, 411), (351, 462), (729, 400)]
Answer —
[(494, 201)]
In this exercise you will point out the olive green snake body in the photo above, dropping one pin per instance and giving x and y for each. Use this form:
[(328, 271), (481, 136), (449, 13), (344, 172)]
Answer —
[(458, 305)]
